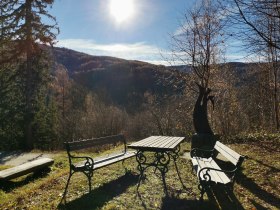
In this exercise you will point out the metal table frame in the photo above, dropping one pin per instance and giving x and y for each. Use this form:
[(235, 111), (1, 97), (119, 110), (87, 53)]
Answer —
[(162, 155)]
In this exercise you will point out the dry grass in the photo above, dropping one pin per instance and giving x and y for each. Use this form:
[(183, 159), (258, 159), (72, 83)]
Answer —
[(256, 188)]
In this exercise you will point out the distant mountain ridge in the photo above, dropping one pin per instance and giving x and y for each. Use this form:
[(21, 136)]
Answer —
[(127, 83), (77, 62), (122, 82)]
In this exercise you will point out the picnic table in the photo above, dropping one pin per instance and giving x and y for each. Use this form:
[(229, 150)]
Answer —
[(164, 148)]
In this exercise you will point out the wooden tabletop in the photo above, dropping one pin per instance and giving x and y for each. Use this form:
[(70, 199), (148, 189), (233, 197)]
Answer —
[(157, 143)]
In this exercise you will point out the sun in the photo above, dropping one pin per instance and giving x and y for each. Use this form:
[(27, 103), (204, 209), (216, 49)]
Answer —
[(122, 10)]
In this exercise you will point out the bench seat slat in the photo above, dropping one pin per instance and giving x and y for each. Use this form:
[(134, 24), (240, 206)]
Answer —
[(216, 176), (108, 160), (220, 177), (25, 168), (111, 161)]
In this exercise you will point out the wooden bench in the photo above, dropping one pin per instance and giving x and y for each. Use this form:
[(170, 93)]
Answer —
[(209, 172), (25, 168), (88, 164)]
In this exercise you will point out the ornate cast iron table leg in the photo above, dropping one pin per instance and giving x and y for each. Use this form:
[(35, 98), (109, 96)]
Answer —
[(160, 161), (141, 160), (175, 155)]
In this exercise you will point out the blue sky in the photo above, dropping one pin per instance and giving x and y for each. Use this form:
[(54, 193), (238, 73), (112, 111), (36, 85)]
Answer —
[(92, 26)]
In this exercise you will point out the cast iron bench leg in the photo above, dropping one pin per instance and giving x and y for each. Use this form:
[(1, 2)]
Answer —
[(67, 184)]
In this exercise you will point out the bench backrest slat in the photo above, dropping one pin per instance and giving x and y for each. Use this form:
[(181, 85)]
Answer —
[(88, 143), (228, 153)]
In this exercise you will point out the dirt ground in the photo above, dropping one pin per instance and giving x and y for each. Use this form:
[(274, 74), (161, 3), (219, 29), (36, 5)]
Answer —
[(18, 157)]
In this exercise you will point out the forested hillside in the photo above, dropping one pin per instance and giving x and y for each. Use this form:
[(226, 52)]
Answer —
[(117, 81), (95, 96), (50, 95), (98, 95)]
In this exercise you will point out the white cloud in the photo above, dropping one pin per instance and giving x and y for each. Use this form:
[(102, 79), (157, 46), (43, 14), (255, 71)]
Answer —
[(136, 51)]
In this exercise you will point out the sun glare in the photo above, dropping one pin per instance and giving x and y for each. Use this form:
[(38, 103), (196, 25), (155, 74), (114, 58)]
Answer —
[(122, 10)]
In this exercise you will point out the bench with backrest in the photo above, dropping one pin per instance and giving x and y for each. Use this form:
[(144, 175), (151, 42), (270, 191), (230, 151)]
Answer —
[(26, 168), (209, 172), (89, 164)]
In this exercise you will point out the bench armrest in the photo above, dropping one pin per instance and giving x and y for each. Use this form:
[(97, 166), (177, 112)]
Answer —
[(196, 152), (207, 176), (89, 162)]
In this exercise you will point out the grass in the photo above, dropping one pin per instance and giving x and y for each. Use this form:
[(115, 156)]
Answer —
[(256, 188)]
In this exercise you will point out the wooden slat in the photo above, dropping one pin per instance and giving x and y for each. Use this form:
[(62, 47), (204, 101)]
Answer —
[(163, 140), (109, 160), (216, 176), (152, 142), (25, 168), (219, 176), (169, 141), (228, 153), (228, 150), (144, 141), (114, 160), (157, 143), (203, 164), (178, 141), (88, 143)]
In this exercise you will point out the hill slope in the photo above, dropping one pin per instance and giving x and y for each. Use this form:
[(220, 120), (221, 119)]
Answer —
[(117, 81)]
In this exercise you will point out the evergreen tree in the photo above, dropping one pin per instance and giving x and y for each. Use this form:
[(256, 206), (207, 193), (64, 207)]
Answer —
[(11, 114), (23, 33), (46, 124)]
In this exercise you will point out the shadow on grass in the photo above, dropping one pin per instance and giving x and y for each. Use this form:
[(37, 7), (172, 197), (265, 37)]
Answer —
[(6, 156), (219, 197), (272, 168), (99, 196), (223, 198), (250, 185), (8, 186), (257, 205), (185, 204)]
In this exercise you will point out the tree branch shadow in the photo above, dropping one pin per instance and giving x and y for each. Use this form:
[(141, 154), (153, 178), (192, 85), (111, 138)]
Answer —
[(99, 196), (257, 205), (223, 198), (250, 185), (219, 197), (272, 168)]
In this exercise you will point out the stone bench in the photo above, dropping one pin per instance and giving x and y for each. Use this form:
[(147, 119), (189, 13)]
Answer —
[(25, 168)]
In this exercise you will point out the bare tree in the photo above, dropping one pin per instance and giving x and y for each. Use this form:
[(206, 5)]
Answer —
[(255, 13), (260, 31), (198, 44)]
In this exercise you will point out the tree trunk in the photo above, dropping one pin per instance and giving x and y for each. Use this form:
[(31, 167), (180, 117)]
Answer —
[(29, 92), (204, 137), (200, 115)]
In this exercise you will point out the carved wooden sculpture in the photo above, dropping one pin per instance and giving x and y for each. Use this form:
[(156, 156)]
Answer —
[(200, 117)]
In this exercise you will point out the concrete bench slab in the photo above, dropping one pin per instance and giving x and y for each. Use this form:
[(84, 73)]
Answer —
[(25, 168)]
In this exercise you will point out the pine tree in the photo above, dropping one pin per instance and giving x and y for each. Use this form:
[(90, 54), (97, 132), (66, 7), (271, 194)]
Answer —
[(23, 34)]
